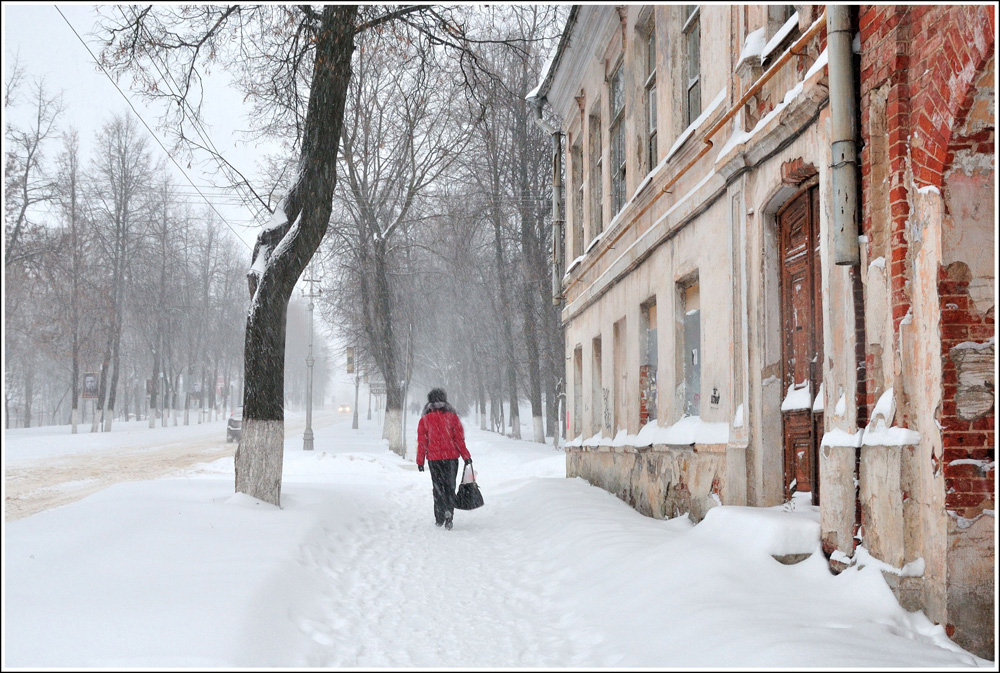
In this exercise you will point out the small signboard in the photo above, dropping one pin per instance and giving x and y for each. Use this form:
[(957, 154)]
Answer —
[(377, 387), (89, 390)]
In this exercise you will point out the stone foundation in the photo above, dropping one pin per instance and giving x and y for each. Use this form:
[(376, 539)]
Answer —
[(659, 481)]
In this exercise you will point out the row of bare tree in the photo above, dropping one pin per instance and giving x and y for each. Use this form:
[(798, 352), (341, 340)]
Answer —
[(419, 111), (109, 269), (437, 258)]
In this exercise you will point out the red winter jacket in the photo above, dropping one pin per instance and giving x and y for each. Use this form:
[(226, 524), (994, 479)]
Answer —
[(440, 436)]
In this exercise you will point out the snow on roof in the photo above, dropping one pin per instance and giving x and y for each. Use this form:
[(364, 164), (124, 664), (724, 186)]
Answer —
[(541, 77), (545, 75)]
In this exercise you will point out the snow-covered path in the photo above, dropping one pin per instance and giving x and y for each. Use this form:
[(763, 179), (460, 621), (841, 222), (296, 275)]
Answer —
[(352, 572), (483, 594)]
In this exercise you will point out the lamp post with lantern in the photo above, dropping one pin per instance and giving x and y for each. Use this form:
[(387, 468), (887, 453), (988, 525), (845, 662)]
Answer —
[(307, 436)]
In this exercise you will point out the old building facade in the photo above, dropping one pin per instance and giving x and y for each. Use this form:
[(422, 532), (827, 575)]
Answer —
[(748, 324)]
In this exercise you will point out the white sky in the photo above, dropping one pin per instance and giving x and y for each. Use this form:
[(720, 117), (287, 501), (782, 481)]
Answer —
[(48, 48), (38, 36)]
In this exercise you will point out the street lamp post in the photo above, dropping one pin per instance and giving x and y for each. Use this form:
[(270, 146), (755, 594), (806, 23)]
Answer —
[(307, 436)]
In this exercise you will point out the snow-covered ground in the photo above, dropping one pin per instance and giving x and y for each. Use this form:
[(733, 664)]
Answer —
[(351, 572)]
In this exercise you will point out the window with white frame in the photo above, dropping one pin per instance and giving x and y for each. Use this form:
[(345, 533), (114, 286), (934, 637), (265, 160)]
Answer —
[(617, 132), (651, 149), (692, 62), (596, 176), (576, 157)]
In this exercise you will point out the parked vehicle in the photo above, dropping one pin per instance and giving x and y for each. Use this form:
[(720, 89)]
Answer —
[(234, 427)]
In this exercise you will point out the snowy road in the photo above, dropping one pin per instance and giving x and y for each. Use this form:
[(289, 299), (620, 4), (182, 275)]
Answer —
[(136, 452), (179, 572)]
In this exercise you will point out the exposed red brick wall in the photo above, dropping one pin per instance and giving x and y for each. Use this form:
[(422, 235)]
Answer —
[(928, 57), (932, 52), (967, 486), (647, 394)]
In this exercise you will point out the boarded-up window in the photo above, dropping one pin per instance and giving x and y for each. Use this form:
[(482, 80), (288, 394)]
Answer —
[(596, 390), (648, 363), (577, 391), (691, 307), (620, 377)]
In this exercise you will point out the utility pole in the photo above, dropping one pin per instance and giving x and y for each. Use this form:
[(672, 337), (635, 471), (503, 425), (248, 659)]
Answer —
[(307, 436)]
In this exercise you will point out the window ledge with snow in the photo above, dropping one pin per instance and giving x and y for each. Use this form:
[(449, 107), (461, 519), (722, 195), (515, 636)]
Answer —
[(686, 433)]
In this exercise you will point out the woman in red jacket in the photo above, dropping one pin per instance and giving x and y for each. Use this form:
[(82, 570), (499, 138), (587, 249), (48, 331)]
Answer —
[(441, 440)]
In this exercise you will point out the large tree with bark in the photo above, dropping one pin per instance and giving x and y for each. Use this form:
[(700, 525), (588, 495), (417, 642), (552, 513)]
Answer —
[(294, 64)]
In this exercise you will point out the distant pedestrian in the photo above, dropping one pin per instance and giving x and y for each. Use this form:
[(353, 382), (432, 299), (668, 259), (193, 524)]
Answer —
[(441, 440)]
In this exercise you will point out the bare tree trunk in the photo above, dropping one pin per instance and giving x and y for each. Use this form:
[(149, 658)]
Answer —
[(528, 260), (101, 392), (284, 252)]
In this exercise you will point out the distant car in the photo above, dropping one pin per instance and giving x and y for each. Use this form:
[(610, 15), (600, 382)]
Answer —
[(344, 408), (234, 428)]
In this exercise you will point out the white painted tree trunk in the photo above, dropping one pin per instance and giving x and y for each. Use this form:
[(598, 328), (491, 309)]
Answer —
[(539, 427), (261, 477), (74, 419), (393, 430)]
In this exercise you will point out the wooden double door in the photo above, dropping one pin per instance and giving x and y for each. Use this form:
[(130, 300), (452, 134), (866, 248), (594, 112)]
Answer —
[(802, 345)]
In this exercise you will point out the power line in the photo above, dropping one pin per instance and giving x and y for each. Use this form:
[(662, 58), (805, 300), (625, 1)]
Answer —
[(155, 137), (199, 127)]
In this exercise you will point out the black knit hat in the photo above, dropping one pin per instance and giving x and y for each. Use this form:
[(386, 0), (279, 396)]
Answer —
[(437, 395)]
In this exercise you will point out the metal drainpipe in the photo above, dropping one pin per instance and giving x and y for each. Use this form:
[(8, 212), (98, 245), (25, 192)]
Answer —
[(843, 122), (557, 218)]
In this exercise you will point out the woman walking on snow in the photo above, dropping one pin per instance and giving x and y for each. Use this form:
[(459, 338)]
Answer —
[(441, 440)]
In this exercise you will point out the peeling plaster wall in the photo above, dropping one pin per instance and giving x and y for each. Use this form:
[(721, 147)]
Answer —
[(927, 170), (967, 415)]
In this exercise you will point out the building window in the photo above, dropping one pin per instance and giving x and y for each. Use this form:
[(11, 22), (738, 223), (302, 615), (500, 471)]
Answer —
[(596, 177), (777, 16), (617, 139), (652, 157), (691, 338), (780, 30), (620, 381), (578, 391), (596, 390), (692, 71), (576, 156), (648, 362)]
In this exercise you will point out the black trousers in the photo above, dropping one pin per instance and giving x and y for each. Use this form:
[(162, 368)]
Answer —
[(443, 476)]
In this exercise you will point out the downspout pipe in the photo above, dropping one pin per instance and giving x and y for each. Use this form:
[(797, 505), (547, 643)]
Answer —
[(843, 125), (558, 221)]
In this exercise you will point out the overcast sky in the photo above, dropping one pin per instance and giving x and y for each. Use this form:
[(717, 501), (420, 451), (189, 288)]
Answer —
[(39, 37), (42, 41)]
